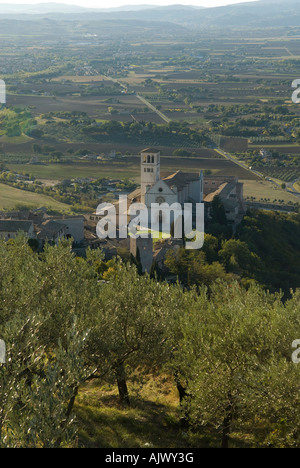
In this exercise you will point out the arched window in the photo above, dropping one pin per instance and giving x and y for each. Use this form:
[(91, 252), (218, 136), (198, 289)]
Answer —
[(152, 159)]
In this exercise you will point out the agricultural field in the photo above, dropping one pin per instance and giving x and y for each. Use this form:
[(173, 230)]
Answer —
[(11, 197), (175, 89), (284, 174), (260, 191), (129, 167)]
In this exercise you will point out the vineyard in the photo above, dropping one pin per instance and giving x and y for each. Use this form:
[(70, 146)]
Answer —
[(287, 174)]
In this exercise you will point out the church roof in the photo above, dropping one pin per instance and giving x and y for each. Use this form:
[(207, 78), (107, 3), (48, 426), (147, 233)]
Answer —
[(135, 195), (150, 150), (223, 191), (181, 179)]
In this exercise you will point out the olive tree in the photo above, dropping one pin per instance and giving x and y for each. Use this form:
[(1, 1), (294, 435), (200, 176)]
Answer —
[(235, 359)]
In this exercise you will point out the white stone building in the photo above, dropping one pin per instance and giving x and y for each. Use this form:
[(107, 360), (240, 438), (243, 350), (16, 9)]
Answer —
[(180, 187)]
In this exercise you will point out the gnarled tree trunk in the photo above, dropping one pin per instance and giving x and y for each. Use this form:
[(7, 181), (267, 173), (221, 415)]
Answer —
[(122, 385), (227, 422)]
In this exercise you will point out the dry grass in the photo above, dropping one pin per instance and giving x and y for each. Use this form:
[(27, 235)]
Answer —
[(151, 421)]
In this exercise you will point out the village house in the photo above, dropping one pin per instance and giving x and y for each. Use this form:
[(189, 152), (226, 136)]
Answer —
[(45, 227), (51, 231), (9, 229)]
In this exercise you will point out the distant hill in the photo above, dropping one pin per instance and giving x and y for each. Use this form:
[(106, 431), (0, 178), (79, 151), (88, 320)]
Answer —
[(261, 13), (41, 8), (52, 7)]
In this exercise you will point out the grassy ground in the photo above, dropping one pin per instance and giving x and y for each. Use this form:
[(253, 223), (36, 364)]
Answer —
[(264, 189), (151, 421), (11, 197), (17, 140), (70, 171), (297, 186), (129, 167)]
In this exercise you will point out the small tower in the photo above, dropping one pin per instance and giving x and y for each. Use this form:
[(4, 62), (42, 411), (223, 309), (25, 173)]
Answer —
[(143, 249), (150, 169)]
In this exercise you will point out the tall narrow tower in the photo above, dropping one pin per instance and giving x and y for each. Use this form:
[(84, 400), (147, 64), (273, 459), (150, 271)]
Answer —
[(150, 169)]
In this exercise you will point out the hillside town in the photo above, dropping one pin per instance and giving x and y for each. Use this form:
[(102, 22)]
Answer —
[(183, 187)]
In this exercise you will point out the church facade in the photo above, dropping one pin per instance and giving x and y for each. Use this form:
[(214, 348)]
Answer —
[(180, 187), (187, 187)]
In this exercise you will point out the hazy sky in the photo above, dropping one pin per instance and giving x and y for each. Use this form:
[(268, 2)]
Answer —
[(116, 3)]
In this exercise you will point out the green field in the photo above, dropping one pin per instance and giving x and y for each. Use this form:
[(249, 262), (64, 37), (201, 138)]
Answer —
[(71, 171), (129, 167), (263, 189), (11, 197)]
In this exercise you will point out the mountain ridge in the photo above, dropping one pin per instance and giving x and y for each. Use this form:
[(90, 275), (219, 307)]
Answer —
[(256, 14)]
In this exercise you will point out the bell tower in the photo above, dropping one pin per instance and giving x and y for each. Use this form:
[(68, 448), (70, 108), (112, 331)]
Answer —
[(150, 169)]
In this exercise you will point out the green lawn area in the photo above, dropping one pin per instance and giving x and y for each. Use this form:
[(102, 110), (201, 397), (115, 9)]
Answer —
[(71, 171), (10, 197), (17, 140), (297, 186), (265, 189)]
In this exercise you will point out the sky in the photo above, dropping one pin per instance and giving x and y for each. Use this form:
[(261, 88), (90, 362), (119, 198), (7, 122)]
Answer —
[(117, 3)]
